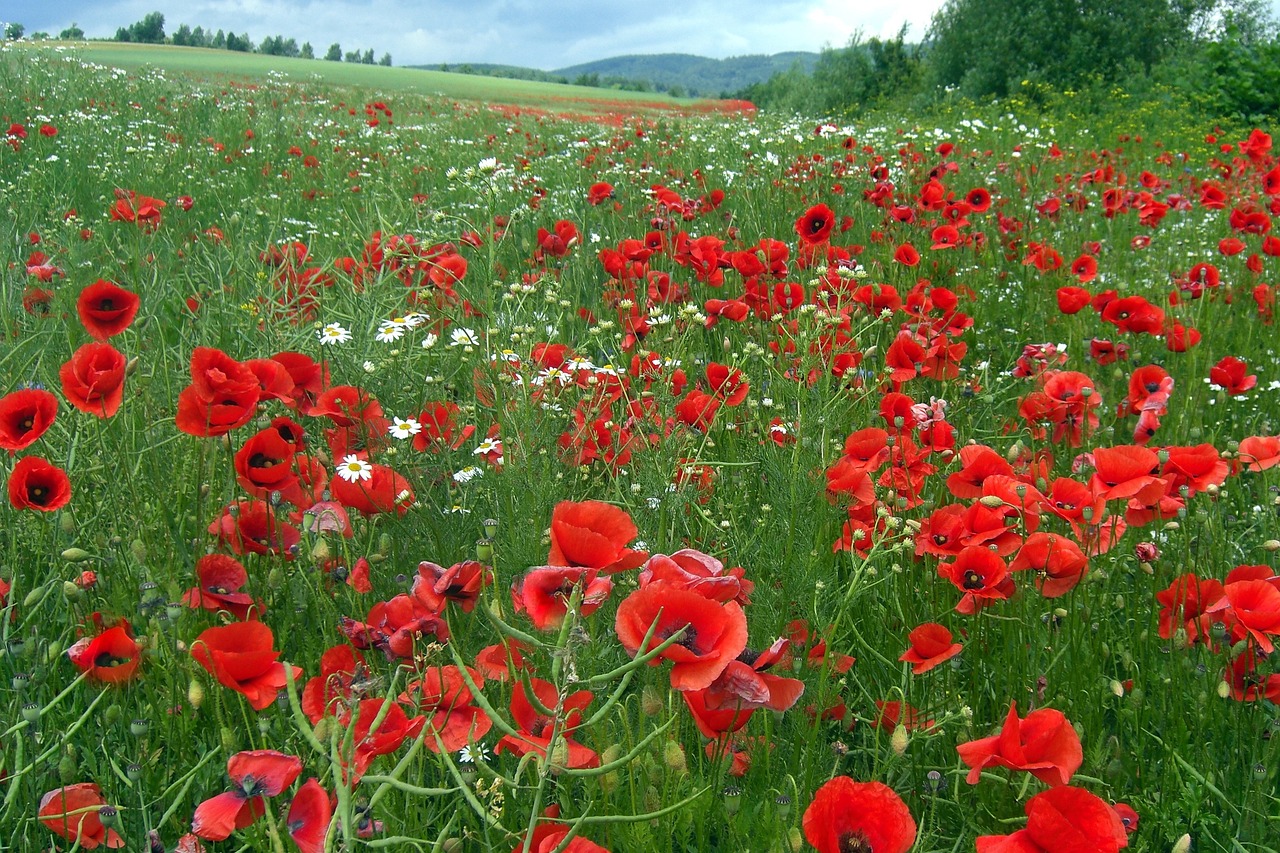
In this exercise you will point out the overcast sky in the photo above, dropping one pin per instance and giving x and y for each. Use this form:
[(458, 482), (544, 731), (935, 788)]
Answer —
[(545, 34)]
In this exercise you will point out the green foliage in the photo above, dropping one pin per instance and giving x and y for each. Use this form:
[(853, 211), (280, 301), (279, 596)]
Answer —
[(150, 30), (72, 33), (988, 47), (334, 54), (14, 31)]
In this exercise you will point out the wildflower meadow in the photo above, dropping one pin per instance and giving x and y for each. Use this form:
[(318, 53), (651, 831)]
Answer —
[(386, 471)]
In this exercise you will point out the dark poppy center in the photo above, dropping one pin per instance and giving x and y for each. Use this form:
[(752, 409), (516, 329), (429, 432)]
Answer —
[(855, 842), (38, 494), (106, 305), (219, 590), (107, 659), (27, 423), (252, 787), (940, 539), (972, 580), (262, 460), (1152, 387)]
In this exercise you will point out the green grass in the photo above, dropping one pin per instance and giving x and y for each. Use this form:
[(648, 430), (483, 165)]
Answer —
[(286, 211), (206, 62)]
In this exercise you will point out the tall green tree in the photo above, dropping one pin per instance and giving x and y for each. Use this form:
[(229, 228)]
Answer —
[(988, 47)]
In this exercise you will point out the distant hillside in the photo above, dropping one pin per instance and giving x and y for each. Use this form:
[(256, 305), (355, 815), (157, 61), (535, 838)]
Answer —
[(677, 73), (696, 75)]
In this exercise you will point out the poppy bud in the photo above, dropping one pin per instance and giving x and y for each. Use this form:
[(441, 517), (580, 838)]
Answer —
[(68, 769), (70, 591), (1183, 844), (138, 550), (113, 714), (384, 544), (76, 555), (67, 523), (131, 366), (673, 757), (322, 729), (35, 597), (320, 551), (899, 740), (650, 702), (1271, 545), (1224, 690), (227, 736), (1117, 688)]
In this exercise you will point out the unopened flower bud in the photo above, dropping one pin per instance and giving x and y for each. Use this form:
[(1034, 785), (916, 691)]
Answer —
[(650, 702), (75, 555), (195, 694), (899, 740), (1271, 545), (1183, 844), (674, 758)]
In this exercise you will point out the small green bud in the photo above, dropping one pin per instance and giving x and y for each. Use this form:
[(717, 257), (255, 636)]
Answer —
[(68, 769), (76, 555)]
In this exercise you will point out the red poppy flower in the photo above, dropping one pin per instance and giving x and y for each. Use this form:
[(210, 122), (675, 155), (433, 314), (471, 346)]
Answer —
[(341, 669), (385, 491), (1058, 562), (218, 582), (1063, 820), (461, 583), (1073, 300), (713, 634), (549, 837), (594, 535), (1230, 375), (858, 816), (815, 225), (702, 573), (240, 656), (25, 415), (106, 309), (535, 728), (1259, 452), (1127, 471), (256, 774), (222, 396), (93, 379), (1044, 744), (112, 657), (35, 483), (251, 527), (443, 695), (394, 626), (309, 816), (979, 573), (74, 812), (142, 210), (393, 728), (599, 193), (930, 645), (747, 683), (1183, 604), (264, 464), (713, 723), (1251, 610), (544, 593)]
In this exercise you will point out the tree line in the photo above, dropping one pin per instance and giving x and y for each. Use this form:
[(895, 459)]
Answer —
[(150, 30), (1224, 50)]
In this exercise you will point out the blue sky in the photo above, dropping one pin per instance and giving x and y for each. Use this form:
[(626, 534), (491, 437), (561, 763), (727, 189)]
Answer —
[(545, 34)]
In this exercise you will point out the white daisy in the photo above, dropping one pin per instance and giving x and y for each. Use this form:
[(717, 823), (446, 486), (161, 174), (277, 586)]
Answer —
[(353, 468), (467, 474), (463, 338), (414, 320), (404, 427), (430, 340), (489, 445), (472, 752), (389, 331), (334, 334)]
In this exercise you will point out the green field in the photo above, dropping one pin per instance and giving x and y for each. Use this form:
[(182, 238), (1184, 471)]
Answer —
[(213, 64)]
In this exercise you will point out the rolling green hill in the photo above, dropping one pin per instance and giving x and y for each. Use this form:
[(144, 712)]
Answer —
[(375, 78)]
